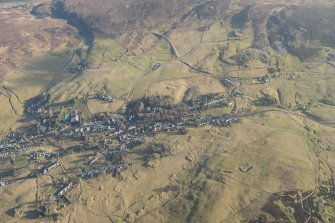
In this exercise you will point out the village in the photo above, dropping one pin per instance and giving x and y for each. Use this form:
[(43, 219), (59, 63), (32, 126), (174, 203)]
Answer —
[(110, 139), (127, 130)]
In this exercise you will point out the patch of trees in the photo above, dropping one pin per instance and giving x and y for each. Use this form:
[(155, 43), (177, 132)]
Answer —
[(245, 55), (115, 158), (155, 108), (43, 211), (155, 151), (40, 102), (266, 101)]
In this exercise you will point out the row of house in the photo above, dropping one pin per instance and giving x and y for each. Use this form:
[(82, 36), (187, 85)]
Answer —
[(45, 155), (154, 67), (14, 150), (65, 189), (217, 121), (45, 170), (104, 97)]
